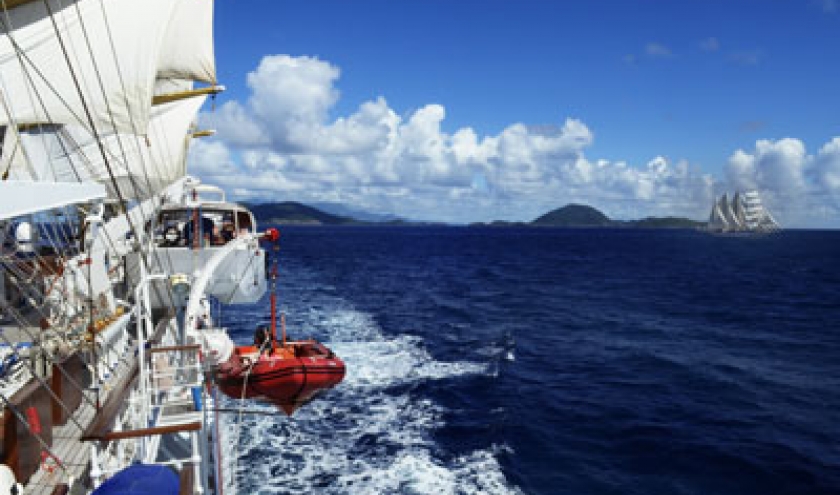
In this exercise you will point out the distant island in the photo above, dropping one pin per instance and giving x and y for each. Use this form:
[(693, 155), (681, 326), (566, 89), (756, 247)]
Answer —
[(584, 216), (574, 215), (571, 216), (293, 213), (290, 212)]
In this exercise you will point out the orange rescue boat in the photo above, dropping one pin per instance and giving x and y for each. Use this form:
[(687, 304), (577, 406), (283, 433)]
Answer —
[(288, 375)]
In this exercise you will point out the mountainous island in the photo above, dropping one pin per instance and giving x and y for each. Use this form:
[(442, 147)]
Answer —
[(583, 216), (292, 213), (574, 215), (571, 215)]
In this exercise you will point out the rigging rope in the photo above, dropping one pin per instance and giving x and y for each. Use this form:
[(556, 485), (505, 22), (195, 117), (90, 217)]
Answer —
[(98, 139), (34, 372), (86, 109), (24, 327), (53, 237)]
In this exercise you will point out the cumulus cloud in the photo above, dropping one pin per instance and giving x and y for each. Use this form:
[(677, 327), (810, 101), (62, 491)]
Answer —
[(777, 166), (282, 143), (826, 170), (803, 189)]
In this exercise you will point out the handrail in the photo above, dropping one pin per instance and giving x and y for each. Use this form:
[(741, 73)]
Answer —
[(106, 415), (10, 4), (190, 347), (97, 429), (145, 432)]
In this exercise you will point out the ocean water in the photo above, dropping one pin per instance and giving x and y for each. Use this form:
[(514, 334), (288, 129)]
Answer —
[(554, 361)]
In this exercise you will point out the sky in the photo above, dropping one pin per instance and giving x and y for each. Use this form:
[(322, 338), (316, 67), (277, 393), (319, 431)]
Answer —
[(468, 110)]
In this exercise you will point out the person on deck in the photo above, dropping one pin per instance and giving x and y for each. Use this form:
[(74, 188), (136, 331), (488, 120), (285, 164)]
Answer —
[(228, 232), (206, 230)]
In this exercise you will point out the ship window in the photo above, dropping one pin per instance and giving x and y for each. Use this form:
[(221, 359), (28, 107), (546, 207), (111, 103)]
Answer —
[(176, 228), (217, 227)]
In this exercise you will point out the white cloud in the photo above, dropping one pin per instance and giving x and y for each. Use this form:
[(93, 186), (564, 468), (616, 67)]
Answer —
[(293, 88), (211, 158), (801, 189), (282, 144), (237, 126), (826, 170), (777, 166)]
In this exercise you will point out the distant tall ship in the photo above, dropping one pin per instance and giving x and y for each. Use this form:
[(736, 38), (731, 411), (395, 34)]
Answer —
[(745, 213)]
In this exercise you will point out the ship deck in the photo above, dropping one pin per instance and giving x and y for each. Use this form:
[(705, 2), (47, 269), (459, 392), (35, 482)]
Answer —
[(72, 454), (60, 458)]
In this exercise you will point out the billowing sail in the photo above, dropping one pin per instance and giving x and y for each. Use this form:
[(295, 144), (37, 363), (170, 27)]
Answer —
[(60, 59), (188, 45), (170, 133), (717, 220), (745, 213), (738, 211), (169, 86), (726, 210), (758, 218), (141, 166)]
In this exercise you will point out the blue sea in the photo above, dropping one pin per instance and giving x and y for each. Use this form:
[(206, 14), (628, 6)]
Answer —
[(554, 361)]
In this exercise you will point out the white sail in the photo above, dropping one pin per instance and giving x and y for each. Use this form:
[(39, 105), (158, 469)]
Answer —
[(726, 211), (188, 45), (141, 166), (757, 215), (168, 86), (738, 211), (170, 134), (744, 213), (113, 50), (717, 220)]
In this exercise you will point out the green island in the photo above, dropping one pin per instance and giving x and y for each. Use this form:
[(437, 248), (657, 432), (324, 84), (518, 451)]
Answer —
[(569, 216)]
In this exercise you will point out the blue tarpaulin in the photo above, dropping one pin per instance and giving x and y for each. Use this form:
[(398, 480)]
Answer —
[(141, 479)]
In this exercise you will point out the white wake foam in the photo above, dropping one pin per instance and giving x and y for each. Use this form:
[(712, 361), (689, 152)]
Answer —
[(364, 436)]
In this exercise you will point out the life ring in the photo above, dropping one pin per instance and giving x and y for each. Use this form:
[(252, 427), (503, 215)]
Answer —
[(48, 462)]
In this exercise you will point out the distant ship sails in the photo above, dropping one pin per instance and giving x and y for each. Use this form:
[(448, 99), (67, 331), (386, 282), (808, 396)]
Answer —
[(745, 213)]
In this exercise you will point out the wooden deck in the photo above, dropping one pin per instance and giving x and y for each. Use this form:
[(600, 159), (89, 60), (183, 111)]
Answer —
[(70, 452)]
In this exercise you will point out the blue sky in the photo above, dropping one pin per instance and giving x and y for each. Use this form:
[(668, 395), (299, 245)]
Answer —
[(688, 82)]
